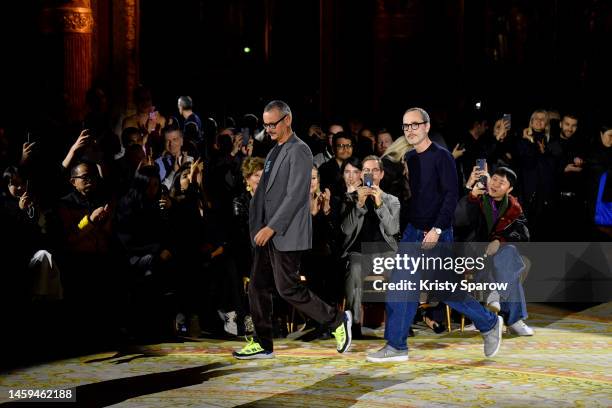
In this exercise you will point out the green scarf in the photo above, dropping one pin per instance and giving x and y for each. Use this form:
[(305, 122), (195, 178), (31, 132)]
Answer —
[(488, 210)]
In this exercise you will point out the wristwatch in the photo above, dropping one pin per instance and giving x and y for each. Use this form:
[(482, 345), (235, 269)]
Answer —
[(437, 230)]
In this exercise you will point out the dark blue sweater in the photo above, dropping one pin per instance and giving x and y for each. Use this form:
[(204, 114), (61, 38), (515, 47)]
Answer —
[(433, 182)]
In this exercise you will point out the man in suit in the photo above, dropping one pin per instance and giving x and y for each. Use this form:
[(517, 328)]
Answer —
[(281, 228)]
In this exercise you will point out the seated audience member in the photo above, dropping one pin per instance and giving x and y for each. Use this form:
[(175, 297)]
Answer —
[(372, 216), (490, 214), (31, 268), (143, 228), (147, 119), (366, 141), (86, 247), (173, 156), (384, 139), (242, 249), (317, 263), (327, 148), (598, 165), (329, 172)]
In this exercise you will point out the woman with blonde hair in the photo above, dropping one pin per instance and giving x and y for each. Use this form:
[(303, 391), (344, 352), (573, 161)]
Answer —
[(252, 169), (395, 181)]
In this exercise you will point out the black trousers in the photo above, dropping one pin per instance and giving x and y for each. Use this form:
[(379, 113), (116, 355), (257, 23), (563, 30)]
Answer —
[(272, 267)]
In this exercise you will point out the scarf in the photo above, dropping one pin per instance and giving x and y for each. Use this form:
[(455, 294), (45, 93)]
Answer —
[(491, 212)]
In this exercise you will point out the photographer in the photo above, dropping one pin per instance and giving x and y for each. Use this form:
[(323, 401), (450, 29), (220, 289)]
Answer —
[(372, 216), (490, 214)]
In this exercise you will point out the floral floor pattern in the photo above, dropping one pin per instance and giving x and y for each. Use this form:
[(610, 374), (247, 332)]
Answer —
[(568, 363)]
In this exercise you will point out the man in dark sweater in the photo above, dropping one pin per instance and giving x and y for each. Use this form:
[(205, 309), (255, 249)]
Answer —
[(433, 182)]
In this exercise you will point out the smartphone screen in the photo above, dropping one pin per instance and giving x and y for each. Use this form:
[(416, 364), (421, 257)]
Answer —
[(246, 134), (508, 118), (481, 163), (367, 180)]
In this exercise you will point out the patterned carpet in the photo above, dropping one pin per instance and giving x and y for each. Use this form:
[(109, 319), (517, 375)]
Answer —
[(566, 364)]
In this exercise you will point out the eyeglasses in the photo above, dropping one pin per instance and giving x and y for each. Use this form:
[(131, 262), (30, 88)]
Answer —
[(85, 177), (273, 124), (375, 171), (413, 126), (344, 146)]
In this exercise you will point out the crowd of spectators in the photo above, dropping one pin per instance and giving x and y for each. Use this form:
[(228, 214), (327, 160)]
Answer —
[(141, 226)]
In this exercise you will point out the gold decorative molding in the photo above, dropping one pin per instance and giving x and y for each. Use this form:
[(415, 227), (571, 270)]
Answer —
[(67, 20)]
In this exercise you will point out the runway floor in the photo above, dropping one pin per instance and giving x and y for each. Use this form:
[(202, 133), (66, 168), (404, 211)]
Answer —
[(568, 363)]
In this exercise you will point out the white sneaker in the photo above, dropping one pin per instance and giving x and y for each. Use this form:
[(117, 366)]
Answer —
[(229, 320), (521, 329), (387, 354), (470, 327), (493, 302)]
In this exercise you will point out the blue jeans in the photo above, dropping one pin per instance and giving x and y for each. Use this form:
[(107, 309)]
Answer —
[(508, 267), (400, 313)]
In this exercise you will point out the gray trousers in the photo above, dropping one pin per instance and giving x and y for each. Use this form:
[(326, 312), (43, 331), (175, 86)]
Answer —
[(354, 277)]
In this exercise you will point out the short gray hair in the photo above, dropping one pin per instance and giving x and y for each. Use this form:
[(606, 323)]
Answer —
[(281, 106), (185, 102), (424, 114), (373, 157)]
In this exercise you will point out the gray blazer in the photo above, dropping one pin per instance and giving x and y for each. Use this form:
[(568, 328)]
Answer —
[(284, 206), (388, 214)]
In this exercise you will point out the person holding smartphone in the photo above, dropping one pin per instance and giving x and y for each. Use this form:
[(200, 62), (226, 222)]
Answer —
[(371, 217), (489, 213), (476, 143)]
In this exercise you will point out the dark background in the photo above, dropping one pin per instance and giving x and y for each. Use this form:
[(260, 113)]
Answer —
[(367, 58)]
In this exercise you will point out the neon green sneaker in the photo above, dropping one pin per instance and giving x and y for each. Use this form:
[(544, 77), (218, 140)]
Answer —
[(343, 333), (252, 350)]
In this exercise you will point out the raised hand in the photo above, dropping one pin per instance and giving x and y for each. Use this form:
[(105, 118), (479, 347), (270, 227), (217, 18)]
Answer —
[(326, 200), (26, 152), (500, 130), (362, 195), (196, 168), (25, 201), (458, 152), (99, 214)]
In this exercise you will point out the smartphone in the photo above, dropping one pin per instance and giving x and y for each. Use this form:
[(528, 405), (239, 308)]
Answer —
[(368, 180), (246, 134), (507, 118), (481, 163)]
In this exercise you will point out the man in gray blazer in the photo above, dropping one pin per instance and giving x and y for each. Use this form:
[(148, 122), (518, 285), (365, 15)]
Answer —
[(369, 216), (281, 229)]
